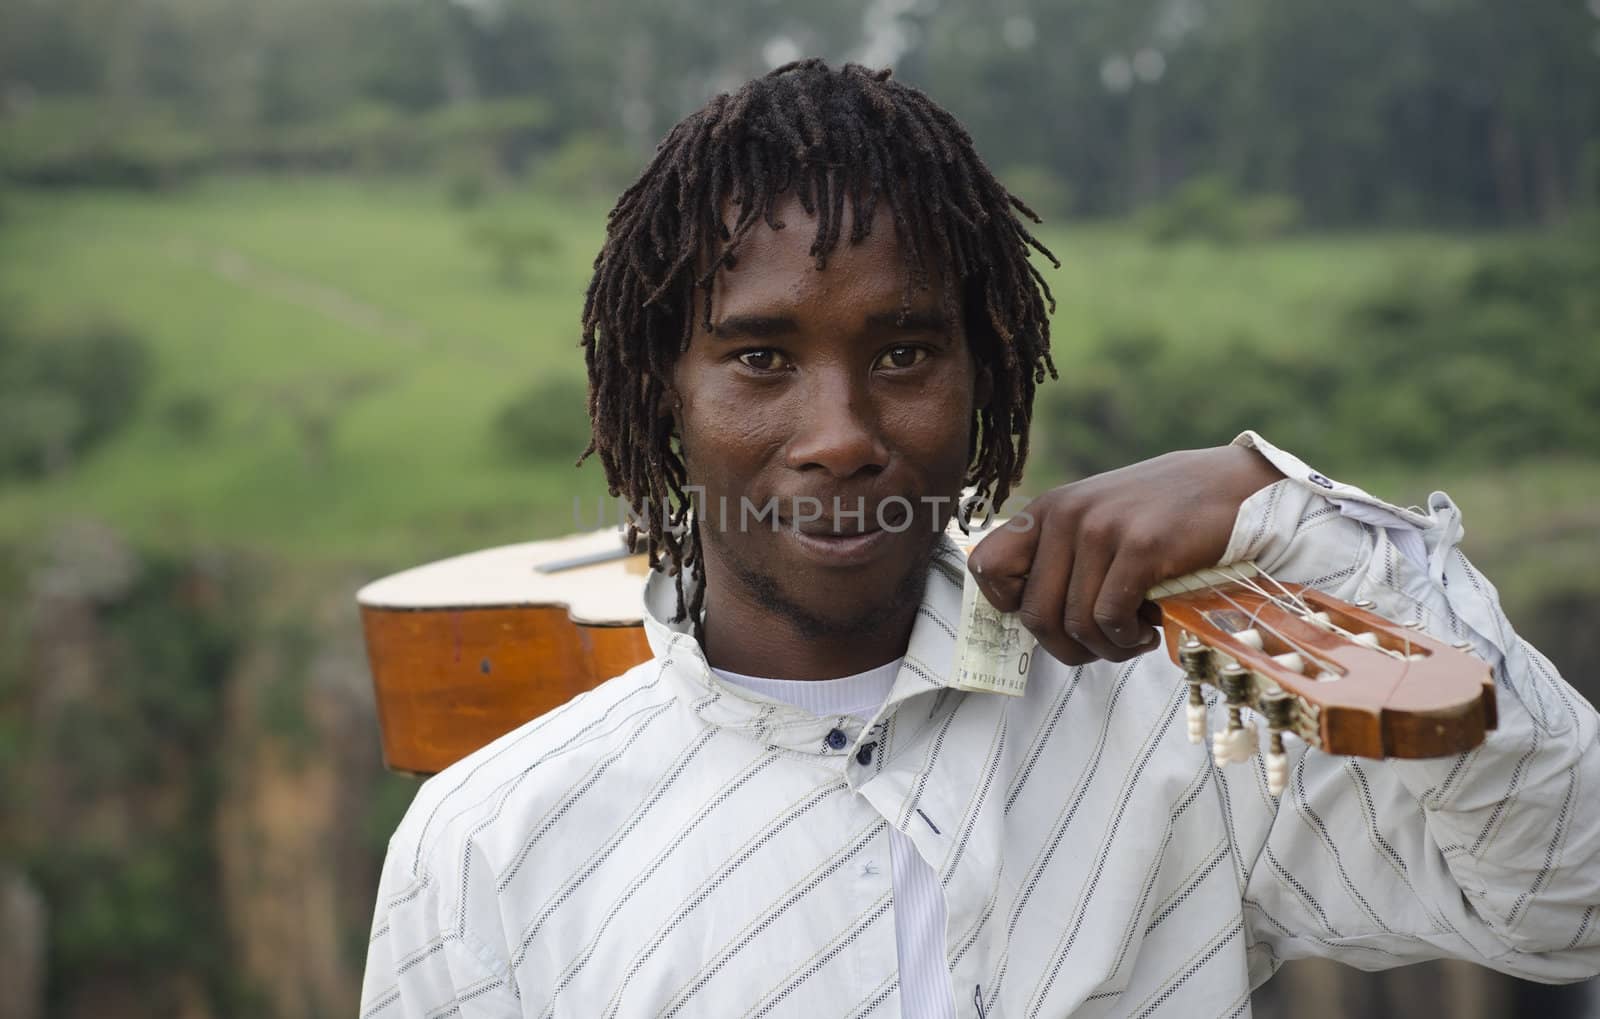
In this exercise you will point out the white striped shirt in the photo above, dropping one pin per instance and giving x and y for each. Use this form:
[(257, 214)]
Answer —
[(672, 845), (917, 903)]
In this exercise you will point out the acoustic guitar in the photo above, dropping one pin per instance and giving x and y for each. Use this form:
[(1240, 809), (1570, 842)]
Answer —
[(468, 648)]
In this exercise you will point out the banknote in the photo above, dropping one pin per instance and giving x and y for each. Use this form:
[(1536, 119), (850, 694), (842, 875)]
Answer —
[(993, 648)]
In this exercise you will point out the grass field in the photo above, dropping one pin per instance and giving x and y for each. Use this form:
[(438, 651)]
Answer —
[(296, 307), (357, 345)]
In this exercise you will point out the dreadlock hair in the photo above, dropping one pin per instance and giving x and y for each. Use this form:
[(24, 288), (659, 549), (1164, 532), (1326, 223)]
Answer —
[(827, 136)]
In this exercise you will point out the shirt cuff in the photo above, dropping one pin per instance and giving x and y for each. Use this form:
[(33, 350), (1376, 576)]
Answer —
[(1405, 526)]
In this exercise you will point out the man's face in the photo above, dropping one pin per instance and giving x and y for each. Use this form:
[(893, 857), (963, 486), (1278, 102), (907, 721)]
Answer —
[(812, 390)]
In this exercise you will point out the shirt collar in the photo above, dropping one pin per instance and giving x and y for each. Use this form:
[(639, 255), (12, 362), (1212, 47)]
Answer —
[(925, 670)]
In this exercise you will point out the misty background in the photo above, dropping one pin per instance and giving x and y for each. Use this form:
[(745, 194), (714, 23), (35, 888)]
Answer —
[(289, 299)]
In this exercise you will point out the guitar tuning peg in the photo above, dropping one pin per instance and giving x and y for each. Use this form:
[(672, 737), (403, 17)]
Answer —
[(1277, 771), (1196, 660), (1196, 711), (1235, 744), (1238, 741), (1278, 708)]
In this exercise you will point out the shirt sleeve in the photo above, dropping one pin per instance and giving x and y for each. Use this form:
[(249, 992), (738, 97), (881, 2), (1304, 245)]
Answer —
[(1492, 856), (421, 964)]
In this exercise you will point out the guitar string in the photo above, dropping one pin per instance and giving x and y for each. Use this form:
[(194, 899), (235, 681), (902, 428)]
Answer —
[(1286, 638), (1293, 596), (1246, 581), (1294, 607), (1288, 600), (1301, 608)]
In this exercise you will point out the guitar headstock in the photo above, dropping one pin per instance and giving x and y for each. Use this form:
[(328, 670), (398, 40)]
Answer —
[(1337, 675)]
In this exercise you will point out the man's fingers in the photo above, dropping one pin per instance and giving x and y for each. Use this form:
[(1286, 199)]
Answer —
[(1001, 561), (1091, 558), (1079, 589), (1119, 606), (1046, 591), (1068, 651)]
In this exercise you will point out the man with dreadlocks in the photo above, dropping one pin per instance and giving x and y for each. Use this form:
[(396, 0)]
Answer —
[(813, 322)]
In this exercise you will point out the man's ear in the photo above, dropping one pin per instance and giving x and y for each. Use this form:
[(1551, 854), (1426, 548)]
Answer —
[(668, 403)]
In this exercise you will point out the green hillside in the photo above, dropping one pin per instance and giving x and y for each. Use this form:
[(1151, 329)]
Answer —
[(331, 355)]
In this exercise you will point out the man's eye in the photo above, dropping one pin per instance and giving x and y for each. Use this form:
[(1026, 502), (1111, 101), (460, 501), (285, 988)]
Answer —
[(902, 357), (763, 360)]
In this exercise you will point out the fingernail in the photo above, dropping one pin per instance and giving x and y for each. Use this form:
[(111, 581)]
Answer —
[(1116, 634)]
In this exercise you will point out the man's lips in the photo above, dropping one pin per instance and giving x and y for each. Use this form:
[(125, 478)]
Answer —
[(833, 549), (854, 519), (822, 530)]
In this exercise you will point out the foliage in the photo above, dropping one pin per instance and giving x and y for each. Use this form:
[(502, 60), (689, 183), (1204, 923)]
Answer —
[(1044, 191), (178, 629), (1589, 178), (63, 392), (281, 704), (372, 137), (127, 908), (1459, 111), (14, 683), (587, 165), (1488, 368), (1365, 111), (81, 143), (512, 245), (391, 795), (1207, 208), (137, 898), (546, 421), (191, 416), (470, 176)]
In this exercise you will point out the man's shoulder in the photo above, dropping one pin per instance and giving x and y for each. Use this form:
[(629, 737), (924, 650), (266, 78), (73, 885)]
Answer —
[(506, 783)]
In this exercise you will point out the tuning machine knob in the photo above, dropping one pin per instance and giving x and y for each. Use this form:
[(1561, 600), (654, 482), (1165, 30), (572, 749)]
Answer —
[(1195, 658), (1278, 708), (1238, 741)]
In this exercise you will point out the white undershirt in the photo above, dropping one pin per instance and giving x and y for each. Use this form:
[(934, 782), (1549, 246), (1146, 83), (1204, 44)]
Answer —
[(919, 907)]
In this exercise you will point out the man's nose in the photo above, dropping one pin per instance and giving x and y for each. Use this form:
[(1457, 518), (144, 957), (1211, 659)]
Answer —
[(836, 428)]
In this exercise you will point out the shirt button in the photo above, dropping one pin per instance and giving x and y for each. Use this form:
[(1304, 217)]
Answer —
[(864, 755), (837, 739)]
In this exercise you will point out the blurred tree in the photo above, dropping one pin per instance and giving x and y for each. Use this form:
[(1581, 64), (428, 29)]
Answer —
[(1371, 110), (1457, 111), (62, 393)]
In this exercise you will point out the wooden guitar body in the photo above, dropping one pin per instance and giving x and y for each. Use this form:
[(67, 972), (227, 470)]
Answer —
[(466, 649)]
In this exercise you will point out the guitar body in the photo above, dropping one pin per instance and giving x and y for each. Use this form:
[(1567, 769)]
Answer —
[(466, 649)]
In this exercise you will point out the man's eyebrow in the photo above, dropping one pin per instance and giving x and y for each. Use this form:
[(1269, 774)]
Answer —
[(758, 327)]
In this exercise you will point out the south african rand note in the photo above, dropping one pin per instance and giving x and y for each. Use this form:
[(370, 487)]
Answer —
[(993, 648)]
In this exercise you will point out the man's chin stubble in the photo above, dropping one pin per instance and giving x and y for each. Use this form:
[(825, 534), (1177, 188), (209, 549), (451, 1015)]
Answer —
[(772, 597)]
